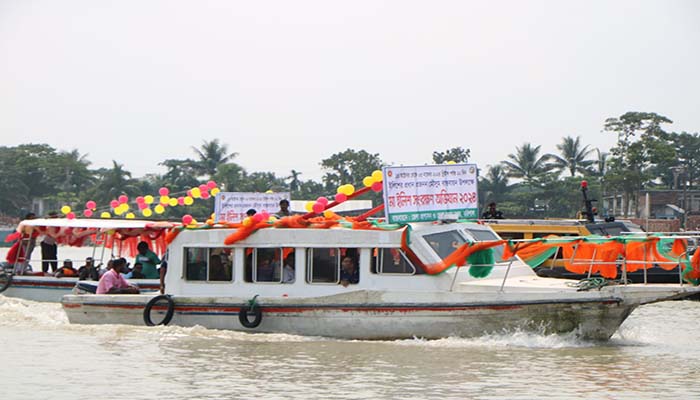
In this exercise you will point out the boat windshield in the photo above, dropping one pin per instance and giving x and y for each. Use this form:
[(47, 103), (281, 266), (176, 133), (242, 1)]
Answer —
[(444, 243), (482, 235)]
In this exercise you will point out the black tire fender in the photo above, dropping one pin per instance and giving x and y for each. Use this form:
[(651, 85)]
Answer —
[(168, 314), (247, 310), (7, 281)]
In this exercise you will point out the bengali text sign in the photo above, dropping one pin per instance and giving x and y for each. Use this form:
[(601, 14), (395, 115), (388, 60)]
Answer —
[(232, 206)]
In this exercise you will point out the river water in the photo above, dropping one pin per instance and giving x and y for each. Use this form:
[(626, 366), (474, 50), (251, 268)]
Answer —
[(653, 356)]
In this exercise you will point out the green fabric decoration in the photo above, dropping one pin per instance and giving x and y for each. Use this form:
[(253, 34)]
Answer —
[(537, 260), (481, 263)]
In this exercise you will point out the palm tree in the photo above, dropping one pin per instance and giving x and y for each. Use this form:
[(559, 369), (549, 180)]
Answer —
[(494, 185), (294, 183), (572, 156), (527, 164), (600, 164), (212, 154), (114, 182)]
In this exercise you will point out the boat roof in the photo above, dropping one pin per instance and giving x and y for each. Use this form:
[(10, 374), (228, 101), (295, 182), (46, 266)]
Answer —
[(125, 227)]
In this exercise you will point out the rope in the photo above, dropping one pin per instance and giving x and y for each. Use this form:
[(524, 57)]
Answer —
[(253, 302), (594, 283)]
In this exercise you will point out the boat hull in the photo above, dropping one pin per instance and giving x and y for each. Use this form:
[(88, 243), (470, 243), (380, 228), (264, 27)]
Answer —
[(52, 290), (591, 317)]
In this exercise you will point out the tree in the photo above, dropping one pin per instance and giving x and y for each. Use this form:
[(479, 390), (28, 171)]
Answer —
[(113, 183), (294, 182), (527, 164), (180, 174), (572, 156), (212, 154), (455, 154), (349, 166), (494, 185)]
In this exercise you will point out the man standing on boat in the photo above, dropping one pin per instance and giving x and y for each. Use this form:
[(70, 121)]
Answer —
[(284, 209), (49, 250), (492, 212), (148, 260)]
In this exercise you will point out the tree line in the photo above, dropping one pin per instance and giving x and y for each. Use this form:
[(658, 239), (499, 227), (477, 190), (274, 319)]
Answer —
[(528, 184)]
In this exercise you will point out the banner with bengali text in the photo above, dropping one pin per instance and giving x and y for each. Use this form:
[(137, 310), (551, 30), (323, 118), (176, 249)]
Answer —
[(232, 206), (430, 192)]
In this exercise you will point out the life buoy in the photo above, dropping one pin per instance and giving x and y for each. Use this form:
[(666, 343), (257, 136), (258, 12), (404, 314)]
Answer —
[(246, 310), (168, 314), (5, 280)]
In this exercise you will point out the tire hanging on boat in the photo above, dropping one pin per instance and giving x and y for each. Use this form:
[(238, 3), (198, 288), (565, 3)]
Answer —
[(168, 314), (5, 280), (252, 308)]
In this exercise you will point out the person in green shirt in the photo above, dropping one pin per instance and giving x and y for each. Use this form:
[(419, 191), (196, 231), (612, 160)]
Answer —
[(148, 260)]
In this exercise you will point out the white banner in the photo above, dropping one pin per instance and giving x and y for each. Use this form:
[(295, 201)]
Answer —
[(430, 192), (232, 206)]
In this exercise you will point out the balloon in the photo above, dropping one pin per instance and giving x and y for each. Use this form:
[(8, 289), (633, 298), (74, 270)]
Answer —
[(193, 224), (377, 176), (181, 201), (322, 200), (118, 211), (209, 222), (309, 206), (247, 221), (130, 216), (348, 189), (114, 203), (265, 215), (257, 218), (123, 199), (146, 212), (159, 209), (87, 213), (205, 195), (142, 206), (105, 214), (189, 192), (318, 208), (65, 209), (186, 219), (340, 197), (70, 215), (164, 199), (91, 205), (212, 216), (173, 202), (215, 191), (367, 181), (203, 188), (340, 189), (163, 191), (148, 199), (211, 184), (269, 191), (377, 186), (196, 193), (328, 214), (450, 162), (188, 201)]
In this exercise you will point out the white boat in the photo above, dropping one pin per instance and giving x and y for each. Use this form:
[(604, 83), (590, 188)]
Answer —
[(220, 286), (79, 232)]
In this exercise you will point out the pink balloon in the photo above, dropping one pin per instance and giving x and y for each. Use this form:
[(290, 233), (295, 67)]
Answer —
[(166, 204), (114, 203), (322, 200), (163, 191), (318, 208), (205, 195), (87, 213), (340, 197), (189, 193), (203, 188), (90, 204), (377, 186), (140, 200), (142, 206), (265, 215), (180, 201), (70, 215), (257, 217), (186, 219), (211, 184)]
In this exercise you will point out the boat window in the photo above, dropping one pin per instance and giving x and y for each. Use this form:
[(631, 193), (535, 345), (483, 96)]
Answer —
[(444, 243), (208, 264), (391, 262), (274, 265), (483, 235), (332, 265)]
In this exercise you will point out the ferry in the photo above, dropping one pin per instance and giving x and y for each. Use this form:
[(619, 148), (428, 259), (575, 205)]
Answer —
[(352, 279)]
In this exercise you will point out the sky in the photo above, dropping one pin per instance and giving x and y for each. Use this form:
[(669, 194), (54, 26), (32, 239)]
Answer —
[(286, 84)]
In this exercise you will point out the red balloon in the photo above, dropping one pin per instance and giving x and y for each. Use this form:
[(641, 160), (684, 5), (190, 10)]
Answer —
[(70, 215), (87, 213), (163, 191), (203, 188), (90, 204), (205, 195), (114, 203), (318, 208), (377, 186), (140, 200), (181, 201), (142, 206), (257, 217), (211, 184), (123, 199), (322, 200), (186, 219), (340, 197)]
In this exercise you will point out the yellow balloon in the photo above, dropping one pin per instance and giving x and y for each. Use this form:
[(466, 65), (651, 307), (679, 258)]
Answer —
[(269, 191), (196, 193), (124, 207), (348, 189), (105, 214), (148, 199), (165, 199), (212, 216), (118, 211), (188, 201), (130, 216), (65, 209), (309, 206), (340, 189), (172, 202), (328, 214), (159, 209), (215, 191), (377, 176), (451, 162), (367, 181), (147, 212), (247, 221)]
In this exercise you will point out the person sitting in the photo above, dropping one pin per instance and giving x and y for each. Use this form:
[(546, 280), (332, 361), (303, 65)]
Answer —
[(348, 272), (66, 270), (135, 273), (148, 260), (284, 209), (492, 212), (88, 271), (112, 282), (265, 269), (288, 270)]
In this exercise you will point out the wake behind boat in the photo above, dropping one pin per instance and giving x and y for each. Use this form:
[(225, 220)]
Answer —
[(352, 279)]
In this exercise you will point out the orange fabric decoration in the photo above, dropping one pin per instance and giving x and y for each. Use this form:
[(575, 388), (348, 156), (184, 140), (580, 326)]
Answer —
[(460, 255)]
